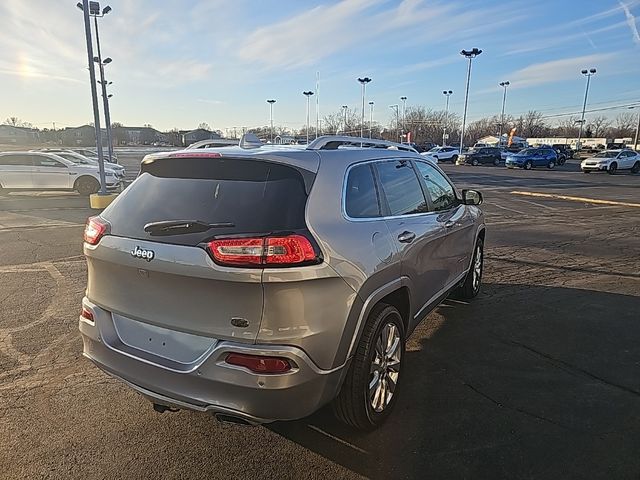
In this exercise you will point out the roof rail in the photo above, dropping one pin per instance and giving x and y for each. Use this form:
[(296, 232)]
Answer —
[(333, 142)]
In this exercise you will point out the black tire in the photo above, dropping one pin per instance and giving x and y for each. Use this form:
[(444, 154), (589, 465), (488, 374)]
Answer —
[(528, 165), (454, 159), (353, 404), (87, 186), (474, 162), (496, 162), (634, 169), (551, 165), (613, 168), (470, 288), (586, 171)]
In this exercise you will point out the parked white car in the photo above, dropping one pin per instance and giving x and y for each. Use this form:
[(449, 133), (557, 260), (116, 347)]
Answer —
[(611, 161), (76, 157), (47, 171), (441, 154)]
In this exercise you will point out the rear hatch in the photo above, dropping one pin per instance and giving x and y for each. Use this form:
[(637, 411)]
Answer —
[(166, 277)]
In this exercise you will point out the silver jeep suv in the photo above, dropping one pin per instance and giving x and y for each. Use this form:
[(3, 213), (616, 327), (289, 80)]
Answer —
[(261, 283)]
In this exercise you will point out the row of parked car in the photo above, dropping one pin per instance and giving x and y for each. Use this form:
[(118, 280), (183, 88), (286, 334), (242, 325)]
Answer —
[(57, 169), (545, 156)]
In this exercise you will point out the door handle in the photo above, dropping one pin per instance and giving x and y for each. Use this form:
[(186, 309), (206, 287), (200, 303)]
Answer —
[(449, 224), (406, 237)]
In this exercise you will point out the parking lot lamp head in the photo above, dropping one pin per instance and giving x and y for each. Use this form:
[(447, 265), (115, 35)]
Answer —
[(469, 55)]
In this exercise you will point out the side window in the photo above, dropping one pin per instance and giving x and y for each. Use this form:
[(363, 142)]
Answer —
[(401, 188), (442, 194), (361, 197), (41, 161), (22, 160)]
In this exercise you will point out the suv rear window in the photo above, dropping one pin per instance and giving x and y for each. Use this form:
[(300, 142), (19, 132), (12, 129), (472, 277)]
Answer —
[(257, 197)]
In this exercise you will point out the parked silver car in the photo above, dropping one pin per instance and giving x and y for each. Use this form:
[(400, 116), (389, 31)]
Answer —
[(259, 284)]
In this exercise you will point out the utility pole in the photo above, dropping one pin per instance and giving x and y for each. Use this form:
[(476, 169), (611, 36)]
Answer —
[(317, 103), (370, 118)]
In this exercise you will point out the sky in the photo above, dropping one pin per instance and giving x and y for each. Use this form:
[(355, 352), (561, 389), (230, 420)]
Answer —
[(177, 63)]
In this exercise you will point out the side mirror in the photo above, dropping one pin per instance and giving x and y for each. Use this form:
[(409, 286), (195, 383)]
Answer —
[(471, 197)]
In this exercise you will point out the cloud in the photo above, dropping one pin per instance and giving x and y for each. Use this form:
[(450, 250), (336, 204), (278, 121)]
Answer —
[(631, 21), (210, 102), (556, 70), (321, 31)]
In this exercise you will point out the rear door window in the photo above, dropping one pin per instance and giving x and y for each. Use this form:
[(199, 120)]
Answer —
[(256, 197), (401, 188), (361, 195)]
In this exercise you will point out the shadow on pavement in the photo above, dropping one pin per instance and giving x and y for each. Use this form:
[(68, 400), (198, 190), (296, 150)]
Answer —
[(525, 381)]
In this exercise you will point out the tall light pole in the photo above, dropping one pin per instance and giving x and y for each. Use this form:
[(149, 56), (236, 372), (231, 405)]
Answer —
[(587, 74), (95, 12), (396, 107), (84, 6), (404, 116), (344, 109), (317, 103), (469, 55), (504, 86), (271, 102), (446, 93), (308, 95), (370, 117), (105, 101), (635, 141), (363, 82)]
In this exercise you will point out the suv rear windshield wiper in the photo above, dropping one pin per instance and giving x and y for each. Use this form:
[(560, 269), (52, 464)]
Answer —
[(179, 227)]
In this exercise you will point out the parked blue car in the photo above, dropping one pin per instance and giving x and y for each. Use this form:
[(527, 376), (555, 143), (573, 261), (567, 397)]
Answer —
[(532, 157)]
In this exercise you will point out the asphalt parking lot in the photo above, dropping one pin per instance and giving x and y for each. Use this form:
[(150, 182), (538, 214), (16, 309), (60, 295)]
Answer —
[(539, 377)]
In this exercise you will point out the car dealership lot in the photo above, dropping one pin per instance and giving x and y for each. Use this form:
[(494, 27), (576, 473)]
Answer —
[(537, 377)]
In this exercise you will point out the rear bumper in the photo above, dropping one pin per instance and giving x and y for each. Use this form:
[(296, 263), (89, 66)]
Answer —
[(209, 384)]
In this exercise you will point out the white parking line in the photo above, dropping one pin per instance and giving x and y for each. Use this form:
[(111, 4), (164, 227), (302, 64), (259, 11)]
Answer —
[(536, 204), (506, 208), (339, 440)]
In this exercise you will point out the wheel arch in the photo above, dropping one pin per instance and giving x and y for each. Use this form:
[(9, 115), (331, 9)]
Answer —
[(82, 177)]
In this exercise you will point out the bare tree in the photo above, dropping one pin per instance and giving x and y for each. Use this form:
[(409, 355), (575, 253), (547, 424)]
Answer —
[(16, 122), (567, 128), (532, 124), (599, 125), (204, 126), (624, 125)]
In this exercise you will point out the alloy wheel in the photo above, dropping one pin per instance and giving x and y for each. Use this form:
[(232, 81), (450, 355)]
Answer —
[(385, 367)]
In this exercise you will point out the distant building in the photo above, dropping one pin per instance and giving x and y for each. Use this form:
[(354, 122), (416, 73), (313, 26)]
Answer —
[(18, 135), (136, 136), (192, 136), (83, 136)]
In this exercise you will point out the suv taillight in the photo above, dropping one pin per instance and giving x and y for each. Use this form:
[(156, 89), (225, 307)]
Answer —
[(95, 229), (275, 251)]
